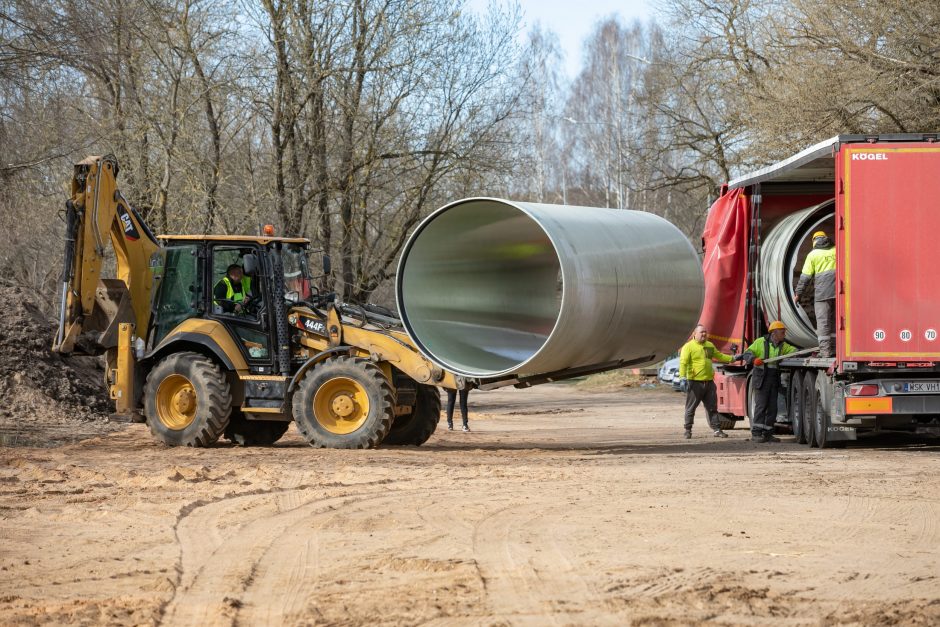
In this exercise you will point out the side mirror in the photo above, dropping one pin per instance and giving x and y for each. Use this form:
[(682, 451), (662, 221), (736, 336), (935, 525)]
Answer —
[(250, 264), (327, 265)]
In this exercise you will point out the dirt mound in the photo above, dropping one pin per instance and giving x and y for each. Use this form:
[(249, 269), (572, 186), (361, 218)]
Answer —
[(40, 391)]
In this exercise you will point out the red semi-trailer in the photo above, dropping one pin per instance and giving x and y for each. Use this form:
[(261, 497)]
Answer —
[(878, 198)]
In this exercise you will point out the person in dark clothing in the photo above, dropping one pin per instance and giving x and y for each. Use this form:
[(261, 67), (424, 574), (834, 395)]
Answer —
[(451, 400), (232, 290), (820, 267), (766, 379)]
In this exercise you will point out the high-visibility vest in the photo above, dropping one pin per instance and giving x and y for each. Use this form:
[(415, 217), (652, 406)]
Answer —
[(231, 294)]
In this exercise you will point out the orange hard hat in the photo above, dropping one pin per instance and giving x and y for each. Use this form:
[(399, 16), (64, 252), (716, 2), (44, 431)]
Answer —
[(819, 234), (776, 324)]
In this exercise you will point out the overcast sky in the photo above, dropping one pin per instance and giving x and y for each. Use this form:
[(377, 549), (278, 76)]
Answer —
[(572, 20)]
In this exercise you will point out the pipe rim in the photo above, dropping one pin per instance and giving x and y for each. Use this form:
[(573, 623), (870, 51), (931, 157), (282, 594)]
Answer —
[(399, 297)]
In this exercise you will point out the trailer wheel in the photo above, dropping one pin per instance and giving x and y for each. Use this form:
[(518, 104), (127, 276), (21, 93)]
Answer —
[(187, 400), (418, 426), (823, 420), (726, 422), (794, 406), (751, 402), (808, 407), (344, 402), (244, 432)]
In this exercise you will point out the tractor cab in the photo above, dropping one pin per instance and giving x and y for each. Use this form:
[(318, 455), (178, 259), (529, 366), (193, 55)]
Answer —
[(239, 282)]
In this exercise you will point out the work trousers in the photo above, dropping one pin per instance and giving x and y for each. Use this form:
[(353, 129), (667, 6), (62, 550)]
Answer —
[(706, 393), (826, 327), (765, 403), (451, 399)]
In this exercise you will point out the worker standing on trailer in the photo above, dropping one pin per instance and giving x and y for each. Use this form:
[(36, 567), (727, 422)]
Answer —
[(698, 379), (766, 379), (820, 267)]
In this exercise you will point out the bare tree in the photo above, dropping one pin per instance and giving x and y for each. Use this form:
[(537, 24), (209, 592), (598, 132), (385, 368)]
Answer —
[(377, 103)]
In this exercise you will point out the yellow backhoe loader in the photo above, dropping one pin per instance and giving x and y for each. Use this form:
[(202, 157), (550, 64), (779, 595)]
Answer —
[(198, 361)]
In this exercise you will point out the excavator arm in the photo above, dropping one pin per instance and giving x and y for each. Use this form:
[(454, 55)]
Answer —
[(92, 307)]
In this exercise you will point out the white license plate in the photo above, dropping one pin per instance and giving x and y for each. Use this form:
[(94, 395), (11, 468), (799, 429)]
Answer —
[(922, 387)]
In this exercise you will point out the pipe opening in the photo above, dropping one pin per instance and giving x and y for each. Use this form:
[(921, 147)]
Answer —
[(481, 289)]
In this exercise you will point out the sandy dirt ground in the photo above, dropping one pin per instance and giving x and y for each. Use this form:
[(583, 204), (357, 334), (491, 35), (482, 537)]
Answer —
[(564, 506)]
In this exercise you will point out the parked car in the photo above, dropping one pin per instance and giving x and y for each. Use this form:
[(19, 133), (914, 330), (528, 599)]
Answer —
[(669, 370)]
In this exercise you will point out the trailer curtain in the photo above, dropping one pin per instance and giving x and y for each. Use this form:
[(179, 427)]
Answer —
[(725, 269)]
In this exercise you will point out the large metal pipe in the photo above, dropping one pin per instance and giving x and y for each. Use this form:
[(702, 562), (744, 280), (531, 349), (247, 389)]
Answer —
[(489, 287), (781, 262)]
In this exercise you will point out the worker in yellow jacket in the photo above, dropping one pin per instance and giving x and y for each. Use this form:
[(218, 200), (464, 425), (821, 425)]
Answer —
[(698, 379), (820, 267)]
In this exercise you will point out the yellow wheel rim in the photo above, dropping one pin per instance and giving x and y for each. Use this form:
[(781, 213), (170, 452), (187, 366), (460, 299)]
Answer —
[(341, 405), (176, 402)]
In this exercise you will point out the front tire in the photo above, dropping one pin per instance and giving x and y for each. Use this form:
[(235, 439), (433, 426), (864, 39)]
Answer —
[(344, 402), (187, 400), (417, 427)]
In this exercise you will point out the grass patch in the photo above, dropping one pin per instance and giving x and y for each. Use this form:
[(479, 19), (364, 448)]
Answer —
[(614, 379)]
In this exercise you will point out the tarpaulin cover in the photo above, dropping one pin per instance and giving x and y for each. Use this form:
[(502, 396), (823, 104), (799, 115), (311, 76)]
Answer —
[(725, 269)]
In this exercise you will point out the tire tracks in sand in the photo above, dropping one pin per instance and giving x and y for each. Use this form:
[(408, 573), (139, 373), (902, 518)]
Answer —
[(218, 562)]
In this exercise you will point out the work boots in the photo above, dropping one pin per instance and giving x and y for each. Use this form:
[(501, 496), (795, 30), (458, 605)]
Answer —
[(688, 434), (720, 434)]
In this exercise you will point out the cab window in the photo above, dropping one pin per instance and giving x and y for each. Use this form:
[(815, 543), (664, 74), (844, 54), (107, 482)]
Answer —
[(233, 292)]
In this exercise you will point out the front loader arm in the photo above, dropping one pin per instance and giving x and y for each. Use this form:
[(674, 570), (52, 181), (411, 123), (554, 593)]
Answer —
[(392, 347), (95, 213)]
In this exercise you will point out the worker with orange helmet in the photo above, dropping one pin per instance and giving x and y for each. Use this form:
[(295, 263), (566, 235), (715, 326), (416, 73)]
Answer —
[(820, 267), (765, 380)]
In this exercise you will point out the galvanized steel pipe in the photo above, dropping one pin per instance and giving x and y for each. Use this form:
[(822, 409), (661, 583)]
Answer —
[(489, 287), (781, 262)]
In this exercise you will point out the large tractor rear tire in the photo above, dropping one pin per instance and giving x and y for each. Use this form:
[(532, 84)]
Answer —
[(244, 432), (344, 402), (187, 400), (417, 427)]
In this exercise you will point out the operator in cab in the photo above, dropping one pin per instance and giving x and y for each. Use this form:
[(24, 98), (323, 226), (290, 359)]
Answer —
[(820, 267), (232, 290), (766, 379)]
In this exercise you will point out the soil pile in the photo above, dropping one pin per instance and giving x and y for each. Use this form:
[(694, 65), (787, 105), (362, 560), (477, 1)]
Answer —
[(43, 396)]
